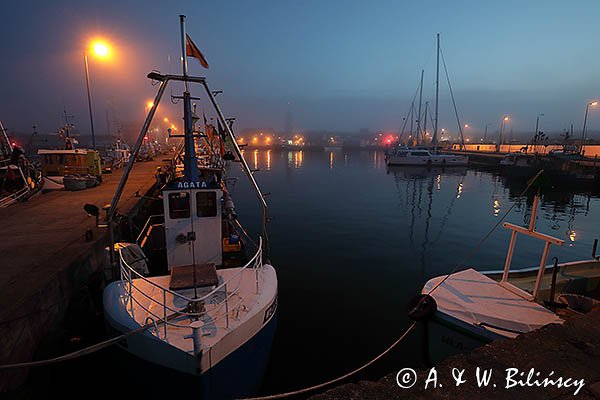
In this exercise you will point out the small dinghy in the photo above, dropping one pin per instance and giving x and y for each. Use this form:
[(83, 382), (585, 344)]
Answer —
[(471, 308), (74, 182)]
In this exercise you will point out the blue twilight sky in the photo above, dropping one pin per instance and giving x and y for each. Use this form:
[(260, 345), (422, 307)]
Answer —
[(336, 65)]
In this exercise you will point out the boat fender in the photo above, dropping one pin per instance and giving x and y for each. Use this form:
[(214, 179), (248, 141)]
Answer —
[(421, 307)]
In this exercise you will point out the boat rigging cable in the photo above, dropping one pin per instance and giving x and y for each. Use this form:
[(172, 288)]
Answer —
[(112, 341), (462, 138), (410, 110)]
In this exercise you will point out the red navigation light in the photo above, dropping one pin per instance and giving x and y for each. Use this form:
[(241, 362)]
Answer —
[(146, 137), (389, 141)]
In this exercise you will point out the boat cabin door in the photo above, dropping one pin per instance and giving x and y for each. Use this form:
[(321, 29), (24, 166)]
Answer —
[(193, 226)]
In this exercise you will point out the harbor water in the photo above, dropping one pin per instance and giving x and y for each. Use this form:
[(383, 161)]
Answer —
[(353, 241)]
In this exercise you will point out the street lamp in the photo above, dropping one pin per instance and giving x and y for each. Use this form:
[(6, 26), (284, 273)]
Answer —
[(504, 119), (102, 51), (485, 132), (587, 107)]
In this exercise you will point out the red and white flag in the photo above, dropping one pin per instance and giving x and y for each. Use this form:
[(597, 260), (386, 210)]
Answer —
[(192, 50)]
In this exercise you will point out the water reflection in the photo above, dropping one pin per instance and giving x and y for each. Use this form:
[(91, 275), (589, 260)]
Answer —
[(431, 214), (298, 159), (496, 207), (269, 160), (415, 189), (331, 156)]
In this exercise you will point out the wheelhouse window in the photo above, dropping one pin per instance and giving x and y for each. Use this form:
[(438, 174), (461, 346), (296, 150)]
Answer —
[(206, 204), (419, 153), (179, 205)]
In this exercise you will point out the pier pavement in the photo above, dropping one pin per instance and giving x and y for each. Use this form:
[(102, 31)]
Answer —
[(45, 258)]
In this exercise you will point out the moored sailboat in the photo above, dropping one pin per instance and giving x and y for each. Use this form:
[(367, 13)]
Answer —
[(427, 154)]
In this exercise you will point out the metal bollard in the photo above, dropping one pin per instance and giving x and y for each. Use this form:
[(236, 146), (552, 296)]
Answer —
[(197, 336)]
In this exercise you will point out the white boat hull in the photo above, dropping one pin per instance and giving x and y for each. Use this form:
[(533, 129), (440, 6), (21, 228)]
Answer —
[(443, 160), (53, 183), (447, 336), (232, 367)]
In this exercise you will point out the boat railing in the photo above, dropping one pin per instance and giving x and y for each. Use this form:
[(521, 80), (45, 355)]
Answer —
[(162, 308), (13, 197), (151, 222)]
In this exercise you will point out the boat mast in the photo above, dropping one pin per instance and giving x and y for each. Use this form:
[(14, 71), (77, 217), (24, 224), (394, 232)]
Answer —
[(190, 162), (425, 121), (420, 102), (412, 120), (437, 91)]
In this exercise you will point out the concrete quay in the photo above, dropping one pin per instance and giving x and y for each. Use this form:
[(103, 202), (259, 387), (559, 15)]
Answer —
[(46, 260), (571, 351)]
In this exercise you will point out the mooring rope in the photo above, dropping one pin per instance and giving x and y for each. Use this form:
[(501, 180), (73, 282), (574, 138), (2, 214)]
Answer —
[(339, 378), (88, 350)]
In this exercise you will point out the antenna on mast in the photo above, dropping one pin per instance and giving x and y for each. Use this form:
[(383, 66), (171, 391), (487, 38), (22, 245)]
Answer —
[(437, 92), (190, 162)]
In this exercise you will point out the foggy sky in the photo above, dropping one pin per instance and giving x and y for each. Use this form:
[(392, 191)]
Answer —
[(336, 65)]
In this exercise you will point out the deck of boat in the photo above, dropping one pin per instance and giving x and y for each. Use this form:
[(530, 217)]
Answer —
[(218, 320)]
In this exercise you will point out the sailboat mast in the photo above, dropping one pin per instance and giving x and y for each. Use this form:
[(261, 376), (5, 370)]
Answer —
[(437, 92), (425, 121), (412, 120), (420, 102), (190, 162)]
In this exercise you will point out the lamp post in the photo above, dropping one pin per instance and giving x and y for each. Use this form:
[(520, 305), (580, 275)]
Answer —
[(587, 107), (101, 50), (504, 119), (485, 132)]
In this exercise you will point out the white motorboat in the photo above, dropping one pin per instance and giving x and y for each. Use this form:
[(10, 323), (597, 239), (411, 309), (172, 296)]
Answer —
[(472, 308), (211, 316), (423, 157)]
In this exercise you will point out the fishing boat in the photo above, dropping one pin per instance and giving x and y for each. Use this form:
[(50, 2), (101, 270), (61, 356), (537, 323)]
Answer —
[(472, 308), (115, 156), (211, 312), (70, 168), (19, 178)]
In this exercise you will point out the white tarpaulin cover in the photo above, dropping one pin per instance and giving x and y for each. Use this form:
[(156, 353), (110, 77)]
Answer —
[(134, 257), (476, 299)]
